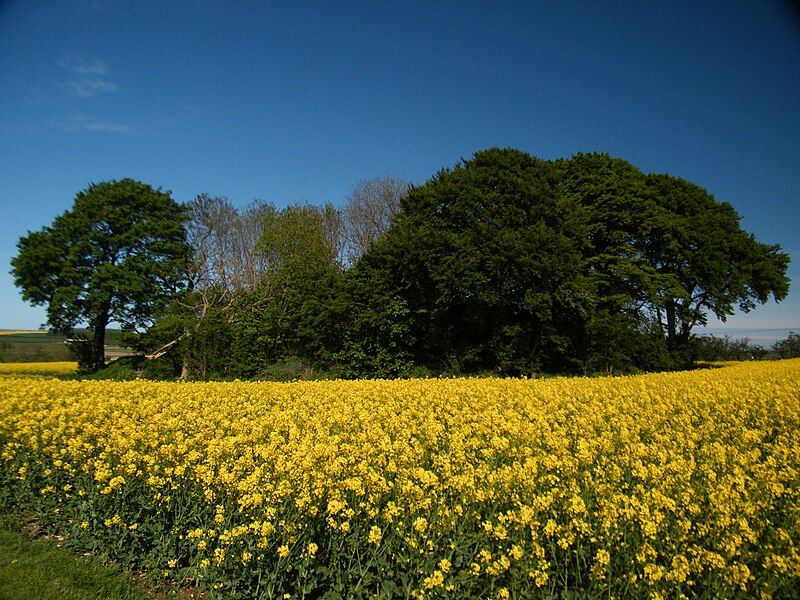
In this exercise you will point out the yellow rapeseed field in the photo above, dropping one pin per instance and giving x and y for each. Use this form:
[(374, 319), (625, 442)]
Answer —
[(38, 369), (18, 331), (665, 485)]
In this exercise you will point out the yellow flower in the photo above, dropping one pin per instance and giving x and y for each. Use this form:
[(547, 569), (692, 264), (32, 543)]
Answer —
[(375, 535), (527, 467), (602, 557), (435, 580)]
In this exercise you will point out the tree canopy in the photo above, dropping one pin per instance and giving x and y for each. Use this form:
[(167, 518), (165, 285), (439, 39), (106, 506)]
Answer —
[(715, 265), (368, 212), (664, 251), (487, 260), (513, 264), (504, 264), (117, 255)]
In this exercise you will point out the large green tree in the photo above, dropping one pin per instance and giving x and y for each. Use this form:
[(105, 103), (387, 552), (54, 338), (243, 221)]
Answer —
[(484, 262), (620, 209), (716, 266), (116, 256), (664, 252)]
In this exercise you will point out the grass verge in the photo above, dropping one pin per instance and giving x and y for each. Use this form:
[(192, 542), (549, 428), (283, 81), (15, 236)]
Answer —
[(38, 570)]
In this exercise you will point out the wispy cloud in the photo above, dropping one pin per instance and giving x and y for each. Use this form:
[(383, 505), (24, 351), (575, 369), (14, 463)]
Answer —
[(84, 67), (89, 77), (86, 88), (86, 123)]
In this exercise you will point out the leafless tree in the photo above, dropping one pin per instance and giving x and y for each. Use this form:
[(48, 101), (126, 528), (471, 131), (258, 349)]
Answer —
[(226, 243), (333, 227), (226, 257), (368, 212)]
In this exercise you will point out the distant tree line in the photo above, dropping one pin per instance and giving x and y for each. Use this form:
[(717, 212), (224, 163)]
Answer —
[(504, 264), (724, 347)]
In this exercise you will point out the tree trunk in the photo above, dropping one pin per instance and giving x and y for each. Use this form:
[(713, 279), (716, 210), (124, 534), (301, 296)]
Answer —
[(533, 351), (98, 358), (670, 313), (185, 363)]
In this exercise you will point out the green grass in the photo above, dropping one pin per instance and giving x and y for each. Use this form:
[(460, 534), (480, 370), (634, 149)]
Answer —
[(19, 346), (33, 347), (38, 570)]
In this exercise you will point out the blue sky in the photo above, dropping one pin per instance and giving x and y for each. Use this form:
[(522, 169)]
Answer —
[(288, 102)]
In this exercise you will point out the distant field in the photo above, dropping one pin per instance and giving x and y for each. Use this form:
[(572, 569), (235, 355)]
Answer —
[(36, 370), (33, 346), (18, 331), (41, 346)]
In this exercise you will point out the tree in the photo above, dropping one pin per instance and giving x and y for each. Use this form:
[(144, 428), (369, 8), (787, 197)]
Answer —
[(374, 324), (224, 240), (623, 332), (715, 347), (663, 251), (117, 256), (259, 282), (715, 265), (226, 265), (368, 212), (302, 246), (788, 347), (485, 262)]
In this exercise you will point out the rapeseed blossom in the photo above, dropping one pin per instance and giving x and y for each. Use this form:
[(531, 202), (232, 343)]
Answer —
[(656, 485)]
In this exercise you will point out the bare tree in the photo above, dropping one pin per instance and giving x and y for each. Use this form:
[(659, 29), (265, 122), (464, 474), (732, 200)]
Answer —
[(226, 260), (226, 243), (368, 212), (333, 228)]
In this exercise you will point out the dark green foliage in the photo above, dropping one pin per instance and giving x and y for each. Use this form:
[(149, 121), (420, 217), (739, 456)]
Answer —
[(292, 368), (717, 266), (663, 251), (505, 264), (85, 353), (125, 368), (285, 316), (258, 333), (481, 270), (789, 347), (116, 256), (159, 369), (375, 326), (233, 327), (619, 343), (303, 282)]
